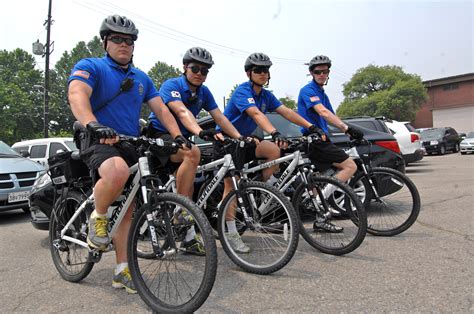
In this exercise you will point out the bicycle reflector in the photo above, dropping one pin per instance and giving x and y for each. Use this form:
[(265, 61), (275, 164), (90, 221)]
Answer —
[(390, 145)]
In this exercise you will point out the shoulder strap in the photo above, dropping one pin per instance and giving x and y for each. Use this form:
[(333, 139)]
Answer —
[(126, 85)]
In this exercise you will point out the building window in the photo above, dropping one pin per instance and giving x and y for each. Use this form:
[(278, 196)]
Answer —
[(451, 86)]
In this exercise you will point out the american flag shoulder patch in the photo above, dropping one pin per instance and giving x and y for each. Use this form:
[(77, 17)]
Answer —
[(81, 73), (314, 98)]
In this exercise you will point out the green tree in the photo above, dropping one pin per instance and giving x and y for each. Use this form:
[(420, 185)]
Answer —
[(289, 102), (21, 109), (383, 91), (60, 113)]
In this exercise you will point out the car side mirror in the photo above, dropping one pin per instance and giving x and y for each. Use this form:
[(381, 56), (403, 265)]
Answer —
[(24, 153)]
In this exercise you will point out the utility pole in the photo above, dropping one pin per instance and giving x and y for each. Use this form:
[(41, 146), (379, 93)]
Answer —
[(46, 72)]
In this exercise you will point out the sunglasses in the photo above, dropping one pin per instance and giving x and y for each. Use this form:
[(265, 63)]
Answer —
[(196, 68), (118, 40), (260, 70), (319, 72)]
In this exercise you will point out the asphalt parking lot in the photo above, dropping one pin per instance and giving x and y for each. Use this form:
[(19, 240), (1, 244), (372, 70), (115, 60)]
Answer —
[(429, 268)]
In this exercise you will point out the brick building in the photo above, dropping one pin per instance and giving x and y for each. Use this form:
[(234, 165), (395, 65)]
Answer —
[(450, 103)]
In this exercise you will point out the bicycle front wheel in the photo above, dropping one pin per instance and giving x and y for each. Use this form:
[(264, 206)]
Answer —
[(70, 259), (331, 228), (174, 281), (270, 225), (397, 204)]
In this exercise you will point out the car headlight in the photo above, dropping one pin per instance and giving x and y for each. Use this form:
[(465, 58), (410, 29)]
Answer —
[(434, 142), (43, 180)]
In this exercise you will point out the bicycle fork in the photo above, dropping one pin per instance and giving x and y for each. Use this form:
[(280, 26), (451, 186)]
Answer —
[(151, 219)]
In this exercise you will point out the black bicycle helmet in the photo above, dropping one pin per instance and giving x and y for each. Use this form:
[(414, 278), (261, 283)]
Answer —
[(198, 54), (118, 24), (257, 59), (318, 60)]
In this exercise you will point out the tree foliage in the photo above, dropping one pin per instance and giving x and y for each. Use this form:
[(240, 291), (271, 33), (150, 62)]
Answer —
[(383, 91), (288, 102), (20, 104), (60, 112)]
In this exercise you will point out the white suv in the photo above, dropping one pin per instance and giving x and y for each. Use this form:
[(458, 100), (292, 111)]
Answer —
[(408, 140), (41, 149)]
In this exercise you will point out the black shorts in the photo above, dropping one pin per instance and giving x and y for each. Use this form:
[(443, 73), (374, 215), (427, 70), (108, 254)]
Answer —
[(164, 161), (244, 156), (95, 155), (324, 154)]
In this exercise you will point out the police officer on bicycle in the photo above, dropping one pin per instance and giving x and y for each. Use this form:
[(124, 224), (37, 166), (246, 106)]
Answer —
[(185, 96), (106, 96), (314, 106)]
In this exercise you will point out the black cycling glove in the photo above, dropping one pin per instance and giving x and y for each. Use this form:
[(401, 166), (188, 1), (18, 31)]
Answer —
[(278, 138), (313, 129), (181, 140), (355, 133), (208, 135), (100, 131)]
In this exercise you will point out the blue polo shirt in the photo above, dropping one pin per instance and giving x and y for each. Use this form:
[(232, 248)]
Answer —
[(177, 89), (311, 95), (243, 98), (104, 76)]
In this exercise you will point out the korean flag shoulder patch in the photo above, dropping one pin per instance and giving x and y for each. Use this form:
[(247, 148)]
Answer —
[(251, 100), (175, 94)]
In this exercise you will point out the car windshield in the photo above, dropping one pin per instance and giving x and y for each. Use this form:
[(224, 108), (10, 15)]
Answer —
[(7, 150), (287, 128), (470, 135), (432, 134)]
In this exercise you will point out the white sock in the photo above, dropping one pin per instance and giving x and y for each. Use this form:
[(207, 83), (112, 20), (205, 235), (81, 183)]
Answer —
[(271, 180), (231, 228), (120, 267), (95, 214), (190, 234)]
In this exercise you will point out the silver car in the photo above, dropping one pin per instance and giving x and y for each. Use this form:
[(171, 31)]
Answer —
[(467, 144), (17, 175)]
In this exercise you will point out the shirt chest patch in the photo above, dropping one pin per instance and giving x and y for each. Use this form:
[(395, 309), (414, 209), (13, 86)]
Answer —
[(141, 89)]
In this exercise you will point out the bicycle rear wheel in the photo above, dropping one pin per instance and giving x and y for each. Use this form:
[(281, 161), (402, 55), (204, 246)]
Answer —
[(70, 259), (398, 203), (175, 282), (322, 224), (271, 230)]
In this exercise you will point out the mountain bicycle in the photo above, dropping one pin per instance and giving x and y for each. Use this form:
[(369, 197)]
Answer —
[(307, 188), (172, 280), (264, 217), (390, 198)]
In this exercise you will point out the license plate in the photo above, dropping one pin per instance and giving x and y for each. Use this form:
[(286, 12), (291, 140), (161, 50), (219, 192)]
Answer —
[(18, 196)]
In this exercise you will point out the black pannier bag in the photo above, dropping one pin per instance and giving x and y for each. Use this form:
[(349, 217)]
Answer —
[(63, 169)]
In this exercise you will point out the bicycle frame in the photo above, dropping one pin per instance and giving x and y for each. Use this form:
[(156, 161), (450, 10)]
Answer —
[(117, 213)]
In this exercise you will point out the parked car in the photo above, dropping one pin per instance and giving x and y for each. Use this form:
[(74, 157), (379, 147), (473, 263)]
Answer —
[(440, 140), (467, 144), (41, 149), (408, 139), (43, 192), (17, 175), (385, 150)]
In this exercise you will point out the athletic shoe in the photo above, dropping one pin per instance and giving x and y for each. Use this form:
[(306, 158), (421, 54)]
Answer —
[(236, 243), (124, 280)]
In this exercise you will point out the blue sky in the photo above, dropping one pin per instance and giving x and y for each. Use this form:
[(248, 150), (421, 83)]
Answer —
[(430, 38)]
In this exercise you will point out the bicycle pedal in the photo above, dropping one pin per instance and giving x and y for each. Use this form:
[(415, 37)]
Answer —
[(94, 256)]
